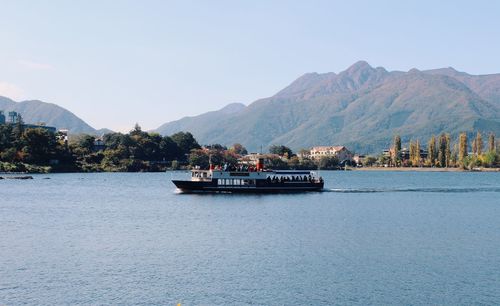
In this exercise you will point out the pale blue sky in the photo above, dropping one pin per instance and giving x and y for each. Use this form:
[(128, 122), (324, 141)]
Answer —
[(114, 63)]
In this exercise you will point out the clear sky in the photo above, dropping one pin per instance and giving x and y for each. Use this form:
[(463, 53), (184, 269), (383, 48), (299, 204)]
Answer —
[(114, 63)]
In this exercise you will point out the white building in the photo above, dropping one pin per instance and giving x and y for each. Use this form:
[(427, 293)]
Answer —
[(341, 152)]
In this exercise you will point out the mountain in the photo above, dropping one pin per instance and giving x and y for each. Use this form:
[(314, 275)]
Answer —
[(35, 111), (196, 124), (486, 86), (362, 107)]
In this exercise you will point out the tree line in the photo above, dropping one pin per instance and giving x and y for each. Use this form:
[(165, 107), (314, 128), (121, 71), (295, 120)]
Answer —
[(40, 150), (443, 152)]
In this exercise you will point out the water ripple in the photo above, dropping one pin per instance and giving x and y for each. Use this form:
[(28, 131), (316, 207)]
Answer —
[(423, 189)]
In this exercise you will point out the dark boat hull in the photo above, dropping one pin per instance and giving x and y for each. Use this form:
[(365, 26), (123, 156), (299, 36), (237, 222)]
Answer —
[(212, 187)]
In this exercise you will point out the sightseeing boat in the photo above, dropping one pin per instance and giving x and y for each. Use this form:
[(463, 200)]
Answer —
[(250, 181)]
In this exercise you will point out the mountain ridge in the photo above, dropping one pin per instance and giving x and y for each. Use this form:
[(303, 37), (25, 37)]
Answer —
[(362, 107)]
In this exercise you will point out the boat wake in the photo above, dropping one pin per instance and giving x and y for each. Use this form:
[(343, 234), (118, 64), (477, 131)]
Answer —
[(422, 189)]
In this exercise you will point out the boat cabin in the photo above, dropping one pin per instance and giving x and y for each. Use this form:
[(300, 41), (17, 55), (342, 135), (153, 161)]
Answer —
[(251, 181)]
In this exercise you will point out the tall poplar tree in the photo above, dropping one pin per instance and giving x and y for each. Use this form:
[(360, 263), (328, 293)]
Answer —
[(479, 143), (447, 151), (397, 150), (431, 148), (454, 154), (412, 153), (462, 148), (417, 153), (442, 150), (491, 142)]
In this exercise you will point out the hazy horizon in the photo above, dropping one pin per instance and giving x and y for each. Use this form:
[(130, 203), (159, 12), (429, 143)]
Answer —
[(114, 65)]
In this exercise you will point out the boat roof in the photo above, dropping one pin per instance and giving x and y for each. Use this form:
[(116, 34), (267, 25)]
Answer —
[(291, 172), (282, 172)]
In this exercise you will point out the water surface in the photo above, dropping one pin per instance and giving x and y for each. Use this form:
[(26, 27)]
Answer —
[(371, 238)]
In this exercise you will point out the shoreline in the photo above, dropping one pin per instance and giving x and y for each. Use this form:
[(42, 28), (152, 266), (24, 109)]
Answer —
[(423, 169)]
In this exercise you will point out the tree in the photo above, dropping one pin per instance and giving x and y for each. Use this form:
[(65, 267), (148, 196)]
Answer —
[(199, 158), (294, 163), (412, 153), (328, 163), (6, 137), (186, 142), (39, 145), (431, 147), (454, 155), (216, 147), (462, 148), (383, 160), (137, 130), (86, 142), (113, 140), (370, 161), (396, 158), (18, 129), (276, 163), (491, 143), (169, 149), (447, 151), (417, 153), (281, 150), (479, 143), (442, 151), (230, 158), (239, 149)]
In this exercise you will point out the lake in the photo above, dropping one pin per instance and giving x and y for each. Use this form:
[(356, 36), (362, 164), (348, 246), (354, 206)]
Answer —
[(371, 238)]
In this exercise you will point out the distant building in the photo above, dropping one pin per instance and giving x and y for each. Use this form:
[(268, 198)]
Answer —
[(404, 154), (62, 135), (99, 145), (359, 159), (252, 159), (304, 154), (341, 152), (14, 119)]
